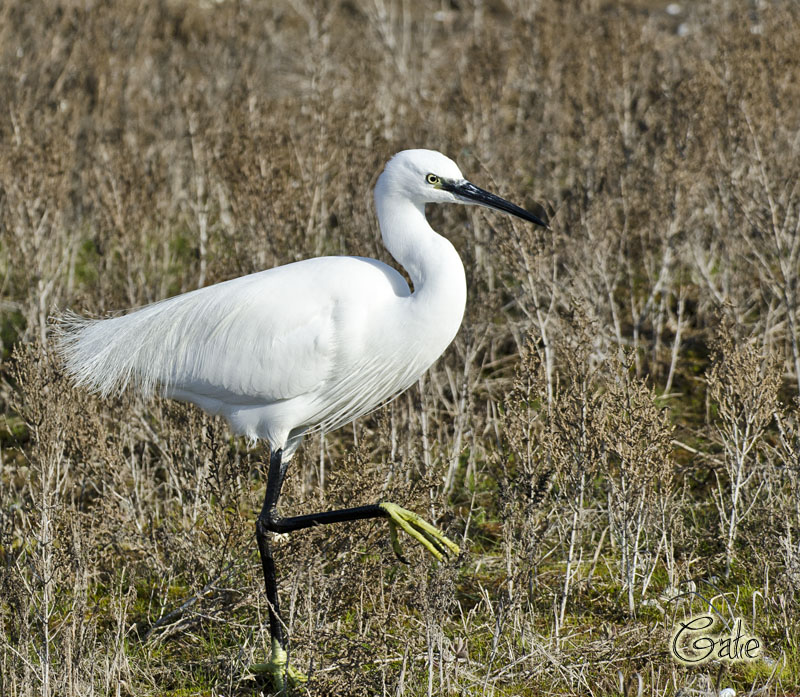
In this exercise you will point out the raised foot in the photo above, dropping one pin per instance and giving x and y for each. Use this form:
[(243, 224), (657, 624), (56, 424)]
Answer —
[(422, 531), (278, 671)]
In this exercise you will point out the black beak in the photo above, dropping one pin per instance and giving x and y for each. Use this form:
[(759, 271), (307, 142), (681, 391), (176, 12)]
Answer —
[(469, 193)]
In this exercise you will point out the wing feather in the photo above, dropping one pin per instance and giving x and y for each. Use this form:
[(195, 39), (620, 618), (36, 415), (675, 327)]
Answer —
[(257, 338), (324, 331)]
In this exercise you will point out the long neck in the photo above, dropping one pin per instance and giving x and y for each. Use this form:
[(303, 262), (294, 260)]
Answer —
[(437, 304), (429, 259)]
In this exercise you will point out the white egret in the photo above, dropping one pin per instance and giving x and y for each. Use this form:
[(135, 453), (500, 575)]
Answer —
[(307, 346)]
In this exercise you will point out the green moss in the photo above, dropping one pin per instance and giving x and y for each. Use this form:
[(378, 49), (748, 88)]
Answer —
[(13, 430), (12, 324), (87, 263)]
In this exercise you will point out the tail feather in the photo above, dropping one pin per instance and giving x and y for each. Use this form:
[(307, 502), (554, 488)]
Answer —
[(102, 354)]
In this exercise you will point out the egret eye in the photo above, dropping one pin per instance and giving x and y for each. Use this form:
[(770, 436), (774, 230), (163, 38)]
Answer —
[(433, 180)]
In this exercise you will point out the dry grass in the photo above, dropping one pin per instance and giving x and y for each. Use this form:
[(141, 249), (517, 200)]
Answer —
[(617, 421)]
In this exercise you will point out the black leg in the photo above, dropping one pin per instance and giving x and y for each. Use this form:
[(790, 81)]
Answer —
[(277, 472), (269, 521)]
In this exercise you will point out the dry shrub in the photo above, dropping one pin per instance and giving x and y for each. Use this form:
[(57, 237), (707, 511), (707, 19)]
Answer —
[(743, 387), (640, 496), (110, 527), (787, 459), (524, 474), (52, 560)]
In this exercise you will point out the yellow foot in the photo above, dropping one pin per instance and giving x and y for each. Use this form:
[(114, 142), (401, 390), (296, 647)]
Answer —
[(422, 531), (278, 669)]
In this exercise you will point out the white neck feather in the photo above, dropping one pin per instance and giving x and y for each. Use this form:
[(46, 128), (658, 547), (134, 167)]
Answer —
[(430, 260)]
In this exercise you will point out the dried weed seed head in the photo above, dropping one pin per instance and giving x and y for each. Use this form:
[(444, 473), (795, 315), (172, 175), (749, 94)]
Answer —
[(743, 386)]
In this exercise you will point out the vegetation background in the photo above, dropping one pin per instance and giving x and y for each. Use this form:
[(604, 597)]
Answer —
[(613, 437)]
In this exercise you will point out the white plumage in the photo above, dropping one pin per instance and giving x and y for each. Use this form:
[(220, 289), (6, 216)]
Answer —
[(306, 346), (309, 345)]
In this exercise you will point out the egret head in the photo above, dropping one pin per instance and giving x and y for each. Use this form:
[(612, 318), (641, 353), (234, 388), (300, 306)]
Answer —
[(427, 176)]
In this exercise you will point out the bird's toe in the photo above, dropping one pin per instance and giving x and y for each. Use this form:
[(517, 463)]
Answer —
[(278, 671), (426, 534)]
